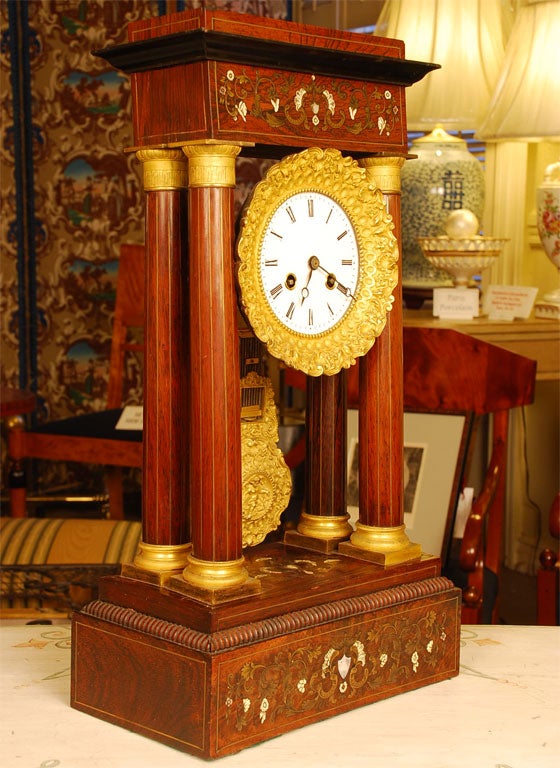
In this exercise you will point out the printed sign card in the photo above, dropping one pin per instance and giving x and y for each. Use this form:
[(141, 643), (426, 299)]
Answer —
[(131, 417), (506, 302), (456, 303)]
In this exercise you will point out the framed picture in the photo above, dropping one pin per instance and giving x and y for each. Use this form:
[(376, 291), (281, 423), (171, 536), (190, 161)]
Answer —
[(435, 451)]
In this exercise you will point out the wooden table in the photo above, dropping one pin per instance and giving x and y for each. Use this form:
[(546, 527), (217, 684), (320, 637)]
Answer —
[(502, 710), (534, 436), (536, 338)]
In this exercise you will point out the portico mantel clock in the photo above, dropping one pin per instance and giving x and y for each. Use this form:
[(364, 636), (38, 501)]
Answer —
[(317, 261), (222, 633)]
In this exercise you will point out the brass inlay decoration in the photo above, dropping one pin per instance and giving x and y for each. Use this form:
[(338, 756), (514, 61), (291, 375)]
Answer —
[(161, 558), (385, 172), (266, 479), (211, 165), (340, 179), (163, 169), (309, 564), (323, 527)]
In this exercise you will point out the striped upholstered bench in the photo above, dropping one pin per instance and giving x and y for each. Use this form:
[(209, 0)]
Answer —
[(53, 565)]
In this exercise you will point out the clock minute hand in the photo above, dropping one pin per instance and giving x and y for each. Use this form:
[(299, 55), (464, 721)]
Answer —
[(313, 265)]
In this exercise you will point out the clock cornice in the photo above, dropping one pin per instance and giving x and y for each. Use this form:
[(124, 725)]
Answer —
[(189, 47)]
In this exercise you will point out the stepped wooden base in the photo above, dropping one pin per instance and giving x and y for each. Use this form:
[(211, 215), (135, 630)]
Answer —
[(212, 693)]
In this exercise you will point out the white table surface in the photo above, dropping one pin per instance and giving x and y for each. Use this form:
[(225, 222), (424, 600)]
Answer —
[(502, 711)]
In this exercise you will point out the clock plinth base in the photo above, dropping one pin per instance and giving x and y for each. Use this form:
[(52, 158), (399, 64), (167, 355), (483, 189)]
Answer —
[(411, 553), (174, 581), (296, 539), (132, 571), (212, 680), (216, 596)]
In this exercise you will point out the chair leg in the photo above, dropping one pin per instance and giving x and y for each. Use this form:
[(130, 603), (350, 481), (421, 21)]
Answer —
[(114, 483), (16, 474), (18, 502), (547, 591)]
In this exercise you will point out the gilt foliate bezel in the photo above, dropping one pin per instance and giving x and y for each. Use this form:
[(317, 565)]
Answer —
[(341, 178)]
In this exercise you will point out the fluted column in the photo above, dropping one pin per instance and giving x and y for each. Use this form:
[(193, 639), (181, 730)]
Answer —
[(380, 532), (165, 520), (216, 561)]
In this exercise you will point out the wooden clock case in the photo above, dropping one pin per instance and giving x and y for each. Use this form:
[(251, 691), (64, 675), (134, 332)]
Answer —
[(200, 644)]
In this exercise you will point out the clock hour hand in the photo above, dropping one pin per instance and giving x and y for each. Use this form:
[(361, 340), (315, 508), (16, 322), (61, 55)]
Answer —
[(343, 289)]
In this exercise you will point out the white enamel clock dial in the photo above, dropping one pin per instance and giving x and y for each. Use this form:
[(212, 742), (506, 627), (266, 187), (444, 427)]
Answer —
[(309, 263), (317, 261)]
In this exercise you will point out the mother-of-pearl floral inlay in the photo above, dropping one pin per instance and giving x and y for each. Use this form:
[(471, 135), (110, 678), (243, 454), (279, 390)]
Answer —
[(308, 103), (296, 679)]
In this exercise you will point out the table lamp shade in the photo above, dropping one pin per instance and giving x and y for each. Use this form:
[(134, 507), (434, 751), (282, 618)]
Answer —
[(526, 107), (467, 38), (526, 101)]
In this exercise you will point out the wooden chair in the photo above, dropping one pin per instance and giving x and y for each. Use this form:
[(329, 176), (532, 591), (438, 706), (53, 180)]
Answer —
[(450, 372), (92, 438), (50, 567), (444, 372), (548, 575)]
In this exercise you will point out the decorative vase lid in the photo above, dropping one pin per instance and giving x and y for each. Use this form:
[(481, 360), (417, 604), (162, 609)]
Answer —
[(552, 174), (439, 136)]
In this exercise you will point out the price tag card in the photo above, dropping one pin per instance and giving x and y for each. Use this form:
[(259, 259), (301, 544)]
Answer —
[(456, 303), (131, 417), (506, 302)]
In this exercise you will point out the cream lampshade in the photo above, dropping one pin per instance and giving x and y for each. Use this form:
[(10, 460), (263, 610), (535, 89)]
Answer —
[(526, 107), (467, 38), (526, 101)]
